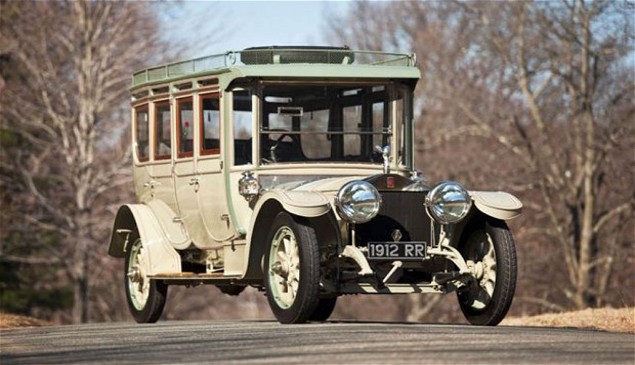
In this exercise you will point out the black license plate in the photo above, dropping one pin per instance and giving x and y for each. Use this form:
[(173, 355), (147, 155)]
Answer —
[(396, 250)]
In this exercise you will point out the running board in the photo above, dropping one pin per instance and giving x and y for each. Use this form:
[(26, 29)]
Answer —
[(189, 278)]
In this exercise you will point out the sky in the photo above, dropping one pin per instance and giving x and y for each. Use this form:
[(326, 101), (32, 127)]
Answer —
[(235, 25)]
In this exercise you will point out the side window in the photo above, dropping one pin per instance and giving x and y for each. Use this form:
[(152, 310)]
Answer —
[(401, 114), (184, 125), (162, 128), (210, 124), (352, 121), (381, 123), (318, 146), (142, 138), (242, 127)]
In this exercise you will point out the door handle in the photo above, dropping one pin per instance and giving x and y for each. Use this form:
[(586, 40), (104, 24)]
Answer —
[(151, 184), (194, 183)]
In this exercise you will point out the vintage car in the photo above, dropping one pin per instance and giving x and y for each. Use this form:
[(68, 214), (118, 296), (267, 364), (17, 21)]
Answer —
[(291, 170)]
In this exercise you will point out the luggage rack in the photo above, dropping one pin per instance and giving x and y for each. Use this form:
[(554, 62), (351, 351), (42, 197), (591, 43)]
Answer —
[(273, 55)]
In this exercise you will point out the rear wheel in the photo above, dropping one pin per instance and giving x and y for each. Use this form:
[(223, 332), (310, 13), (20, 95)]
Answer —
[(145, 297), (490, 254), (292, 272)]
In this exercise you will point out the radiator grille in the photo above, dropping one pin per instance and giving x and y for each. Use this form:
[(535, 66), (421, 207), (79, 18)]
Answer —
[(399, 210)]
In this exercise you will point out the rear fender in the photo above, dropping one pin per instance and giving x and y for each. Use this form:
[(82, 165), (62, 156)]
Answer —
[(138, 220)]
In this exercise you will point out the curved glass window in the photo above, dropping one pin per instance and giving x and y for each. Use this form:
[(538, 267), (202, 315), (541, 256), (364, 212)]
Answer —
[(329, 122), (163, 131), (142, 137)]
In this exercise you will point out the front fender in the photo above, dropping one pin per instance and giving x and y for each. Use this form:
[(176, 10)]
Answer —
[(307, 204), (497, 204), (302, 203), (138, 220)]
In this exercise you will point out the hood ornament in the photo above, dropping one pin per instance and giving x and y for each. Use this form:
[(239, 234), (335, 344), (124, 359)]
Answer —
[(385, 153)]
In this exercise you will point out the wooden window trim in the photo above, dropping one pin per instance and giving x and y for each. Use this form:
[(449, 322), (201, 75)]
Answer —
[(178, 127), (182, 93), (203, 83), (158, 157), (214, 89), (210, 151), (138, 108)]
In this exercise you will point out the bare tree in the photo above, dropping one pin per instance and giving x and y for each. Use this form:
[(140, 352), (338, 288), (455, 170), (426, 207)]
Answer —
[(537, 98), (568, 121), (65, 78)]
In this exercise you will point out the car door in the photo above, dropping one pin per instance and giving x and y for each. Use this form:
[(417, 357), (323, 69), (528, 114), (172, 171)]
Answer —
[(209, 184), (183, 169), (161, 183)]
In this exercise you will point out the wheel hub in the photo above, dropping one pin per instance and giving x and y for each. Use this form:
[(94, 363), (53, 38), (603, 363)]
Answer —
[(482, 266), (138, 284), (280, 269), (284, 268), (135, 275), (476, 269)]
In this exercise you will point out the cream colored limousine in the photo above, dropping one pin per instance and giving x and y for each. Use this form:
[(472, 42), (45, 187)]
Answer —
[(290, 169)]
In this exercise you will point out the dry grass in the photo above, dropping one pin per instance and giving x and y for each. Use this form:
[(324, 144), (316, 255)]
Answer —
[(8, 320), (606, 319)]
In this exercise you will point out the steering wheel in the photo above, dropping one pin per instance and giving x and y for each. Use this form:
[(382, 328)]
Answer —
[(294, 139)]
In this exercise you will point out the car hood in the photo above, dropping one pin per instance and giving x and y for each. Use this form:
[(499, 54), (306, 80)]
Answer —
[(328, 185)]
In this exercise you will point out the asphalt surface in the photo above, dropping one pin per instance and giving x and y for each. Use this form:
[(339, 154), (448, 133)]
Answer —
[(257, 342)]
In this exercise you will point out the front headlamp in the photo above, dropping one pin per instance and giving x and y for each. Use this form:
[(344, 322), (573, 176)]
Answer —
[(448, 202), (357, 202), (248, 186)]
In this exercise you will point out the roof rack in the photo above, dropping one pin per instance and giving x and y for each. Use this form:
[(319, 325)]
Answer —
[(272, 55)]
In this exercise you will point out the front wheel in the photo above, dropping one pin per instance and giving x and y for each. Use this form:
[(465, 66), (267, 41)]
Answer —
[(490, 253), (292, 270), (324, 309), (145, 297)]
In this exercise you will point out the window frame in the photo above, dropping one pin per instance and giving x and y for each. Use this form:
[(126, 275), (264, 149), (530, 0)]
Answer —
[(136, 109), (156, 155), (184, 99), (201, 115)]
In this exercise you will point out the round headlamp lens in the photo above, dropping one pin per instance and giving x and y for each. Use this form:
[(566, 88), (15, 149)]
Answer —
[(448, 202), (357, 202)]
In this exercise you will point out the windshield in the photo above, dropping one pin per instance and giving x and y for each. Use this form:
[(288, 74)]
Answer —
[(328, 123)]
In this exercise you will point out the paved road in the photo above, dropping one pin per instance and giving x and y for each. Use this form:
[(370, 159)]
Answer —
[(251, 342)]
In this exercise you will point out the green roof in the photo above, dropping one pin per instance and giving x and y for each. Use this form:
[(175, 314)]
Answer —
[(285, 62)]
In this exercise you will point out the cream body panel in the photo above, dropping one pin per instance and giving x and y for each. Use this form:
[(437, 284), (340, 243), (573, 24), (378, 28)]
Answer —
[(169, 223), (160, 256), (241, 210), (212, 204), (162, 183), (497, 204), (186, 188), (142, 179)]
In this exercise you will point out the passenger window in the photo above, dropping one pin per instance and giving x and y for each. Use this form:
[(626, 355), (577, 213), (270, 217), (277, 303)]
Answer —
[(242, 117), (352, 121), (381, 123), (210, 124), (162, 127), (141, 133), (185, 128)]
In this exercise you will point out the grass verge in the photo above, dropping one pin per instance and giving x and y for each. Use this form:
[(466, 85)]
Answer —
[(605, 319), (8, 320)]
